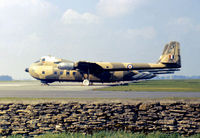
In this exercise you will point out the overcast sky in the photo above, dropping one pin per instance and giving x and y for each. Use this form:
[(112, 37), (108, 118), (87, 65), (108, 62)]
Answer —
[(97, 30)]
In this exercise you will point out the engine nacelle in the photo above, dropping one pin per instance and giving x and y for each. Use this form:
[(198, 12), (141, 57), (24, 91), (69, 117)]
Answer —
[(66, 66)]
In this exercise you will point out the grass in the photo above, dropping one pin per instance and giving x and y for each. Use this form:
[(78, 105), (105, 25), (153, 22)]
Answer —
[(109, 134), (5, 100), (159, 86)]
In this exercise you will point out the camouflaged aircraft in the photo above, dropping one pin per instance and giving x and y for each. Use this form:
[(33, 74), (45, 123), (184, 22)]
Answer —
[(50, 69)]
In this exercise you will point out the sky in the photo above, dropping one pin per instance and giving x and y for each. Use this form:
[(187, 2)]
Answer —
[(97, 30)]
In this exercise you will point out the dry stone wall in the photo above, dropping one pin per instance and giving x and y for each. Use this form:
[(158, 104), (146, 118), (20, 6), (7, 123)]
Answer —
[(35, 119)]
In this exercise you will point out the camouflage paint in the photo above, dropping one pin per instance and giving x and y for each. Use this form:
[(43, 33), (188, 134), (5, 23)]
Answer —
[(47, 69)]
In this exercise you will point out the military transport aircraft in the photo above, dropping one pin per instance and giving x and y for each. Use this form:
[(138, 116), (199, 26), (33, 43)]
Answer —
[(50, 69)]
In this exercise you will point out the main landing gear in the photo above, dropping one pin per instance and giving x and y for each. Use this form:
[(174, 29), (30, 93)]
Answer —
[(44, 83), (86, 79), (86, 82)]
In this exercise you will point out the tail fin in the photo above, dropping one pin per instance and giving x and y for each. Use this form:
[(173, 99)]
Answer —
[(171, 55)]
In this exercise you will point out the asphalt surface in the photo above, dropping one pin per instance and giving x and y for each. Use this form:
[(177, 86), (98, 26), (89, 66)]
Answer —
[(33, 89)]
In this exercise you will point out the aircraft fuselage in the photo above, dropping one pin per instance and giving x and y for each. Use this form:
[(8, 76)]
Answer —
[(49, 69), (51, 74)]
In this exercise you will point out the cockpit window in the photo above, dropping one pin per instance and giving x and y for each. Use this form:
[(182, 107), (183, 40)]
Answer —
[(49, 59), (37, 61), (57, 62)]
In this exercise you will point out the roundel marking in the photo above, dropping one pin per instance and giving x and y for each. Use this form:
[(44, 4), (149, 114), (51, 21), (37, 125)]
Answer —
[(129, 66)]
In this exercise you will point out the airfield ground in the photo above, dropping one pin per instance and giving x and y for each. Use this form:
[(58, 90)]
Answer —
[(138, 86), (36, 86), (186, 93), (159, 86), (145, 91)]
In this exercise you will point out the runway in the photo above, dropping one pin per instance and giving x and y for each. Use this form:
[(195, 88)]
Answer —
[(33, 89)]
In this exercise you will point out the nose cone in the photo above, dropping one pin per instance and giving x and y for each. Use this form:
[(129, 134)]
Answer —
[(27, 70)]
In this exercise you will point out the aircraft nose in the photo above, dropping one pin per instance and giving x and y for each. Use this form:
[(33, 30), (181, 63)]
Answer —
[(27, 70)]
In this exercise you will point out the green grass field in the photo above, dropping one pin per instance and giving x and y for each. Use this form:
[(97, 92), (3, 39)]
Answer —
[(159, 85), (109, 134)]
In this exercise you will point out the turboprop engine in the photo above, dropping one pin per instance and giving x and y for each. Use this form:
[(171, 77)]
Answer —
[(66, 66)]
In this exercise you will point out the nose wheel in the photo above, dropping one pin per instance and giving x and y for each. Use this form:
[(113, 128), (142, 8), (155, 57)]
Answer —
[(86, 82)]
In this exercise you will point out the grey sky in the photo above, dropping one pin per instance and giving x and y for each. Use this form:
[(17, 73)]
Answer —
[(97, 30)]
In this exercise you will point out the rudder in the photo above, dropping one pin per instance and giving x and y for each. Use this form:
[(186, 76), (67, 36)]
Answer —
[(171, 55)]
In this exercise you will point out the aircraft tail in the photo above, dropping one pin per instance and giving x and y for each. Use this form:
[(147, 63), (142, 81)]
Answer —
[(171, 55)]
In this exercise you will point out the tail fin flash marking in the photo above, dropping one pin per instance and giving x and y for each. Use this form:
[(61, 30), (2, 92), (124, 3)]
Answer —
[(171, 55)]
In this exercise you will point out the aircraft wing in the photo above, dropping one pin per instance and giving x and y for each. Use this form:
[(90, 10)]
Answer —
[(96, 68), (89, 67)]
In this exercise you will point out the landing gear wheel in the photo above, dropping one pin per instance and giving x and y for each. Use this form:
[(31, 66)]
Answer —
[(44, 84), (86, 82)]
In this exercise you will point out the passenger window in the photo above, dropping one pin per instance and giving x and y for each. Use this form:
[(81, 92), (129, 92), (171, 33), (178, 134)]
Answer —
[(61, 73), (43, 59), (74, 73), (67, 73), (43, 72), (55, 73)]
